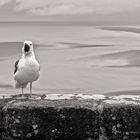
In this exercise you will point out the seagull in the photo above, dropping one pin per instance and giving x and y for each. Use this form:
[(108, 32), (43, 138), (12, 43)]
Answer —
[(27, 69)]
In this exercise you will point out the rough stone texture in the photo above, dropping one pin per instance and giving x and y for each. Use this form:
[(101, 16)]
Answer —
[(120, 119), (51, 120), (70, 117), (3, 102), (120, 122)]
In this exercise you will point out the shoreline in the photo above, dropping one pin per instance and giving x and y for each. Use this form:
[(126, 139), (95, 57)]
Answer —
[(9, 90), (130, 29)]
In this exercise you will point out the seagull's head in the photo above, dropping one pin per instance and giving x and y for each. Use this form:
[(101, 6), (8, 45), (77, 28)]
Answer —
[(27, 47)]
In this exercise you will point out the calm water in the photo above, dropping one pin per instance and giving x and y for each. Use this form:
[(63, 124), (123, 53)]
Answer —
[(74, 57)]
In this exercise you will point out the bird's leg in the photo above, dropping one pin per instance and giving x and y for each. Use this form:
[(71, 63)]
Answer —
[(31, 89), (22, 91)]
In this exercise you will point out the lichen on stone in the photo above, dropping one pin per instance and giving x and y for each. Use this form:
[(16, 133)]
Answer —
[(34, 126), (29, 135), (121, 101), (36, 132)]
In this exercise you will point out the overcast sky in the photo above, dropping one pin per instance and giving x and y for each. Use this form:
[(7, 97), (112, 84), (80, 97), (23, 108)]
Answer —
[(71, 10)]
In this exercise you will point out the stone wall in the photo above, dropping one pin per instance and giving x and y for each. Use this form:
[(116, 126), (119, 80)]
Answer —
[(70, 117)]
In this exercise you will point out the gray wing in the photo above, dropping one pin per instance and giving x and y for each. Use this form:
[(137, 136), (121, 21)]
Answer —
[(16, 66)]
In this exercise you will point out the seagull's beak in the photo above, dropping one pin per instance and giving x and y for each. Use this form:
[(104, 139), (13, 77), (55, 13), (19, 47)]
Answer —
[(26, 48)]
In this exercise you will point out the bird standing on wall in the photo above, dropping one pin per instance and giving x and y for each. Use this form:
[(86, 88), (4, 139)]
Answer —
[(27, 69)]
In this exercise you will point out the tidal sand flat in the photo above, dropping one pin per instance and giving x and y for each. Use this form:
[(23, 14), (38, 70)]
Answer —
[(129, 58), (132, 29), (73, 58)]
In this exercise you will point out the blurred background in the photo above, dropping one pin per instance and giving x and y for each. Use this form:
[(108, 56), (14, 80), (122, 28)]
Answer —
[(82, 45)]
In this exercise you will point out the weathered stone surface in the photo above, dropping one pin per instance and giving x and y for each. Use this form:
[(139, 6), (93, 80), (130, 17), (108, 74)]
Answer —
[(51, 119), (120, 118), (3, 102), (70, 117)]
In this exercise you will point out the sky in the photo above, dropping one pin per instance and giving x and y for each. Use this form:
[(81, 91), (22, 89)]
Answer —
[(108, 11)]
